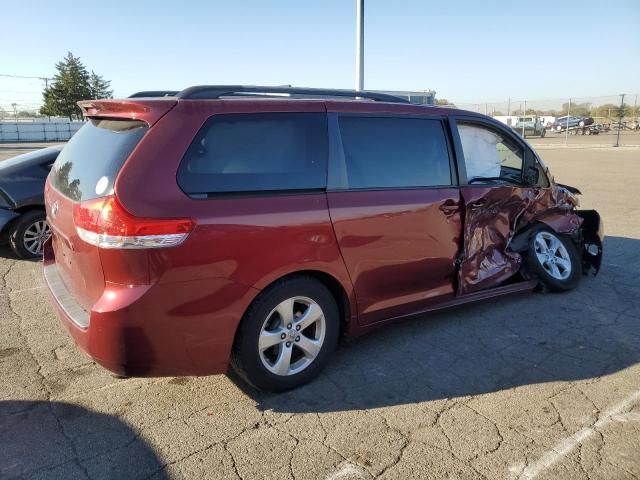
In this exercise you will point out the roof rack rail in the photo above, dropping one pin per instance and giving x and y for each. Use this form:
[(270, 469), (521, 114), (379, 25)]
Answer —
[(155, 93), (216, 91)]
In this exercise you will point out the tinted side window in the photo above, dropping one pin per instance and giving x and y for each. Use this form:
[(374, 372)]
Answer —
[(257, 152), (387, 152)]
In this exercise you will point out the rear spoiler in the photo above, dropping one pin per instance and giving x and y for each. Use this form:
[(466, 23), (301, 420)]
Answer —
[(149, 111)]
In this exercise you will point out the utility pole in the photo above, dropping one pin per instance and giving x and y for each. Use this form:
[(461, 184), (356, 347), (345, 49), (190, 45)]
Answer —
[(620, 115), (566, 125), (359, 45)]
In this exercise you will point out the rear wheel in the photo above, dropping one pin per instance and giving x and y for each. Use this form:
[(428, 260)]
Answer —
[(287, 335), (553, 258), (28, 234)]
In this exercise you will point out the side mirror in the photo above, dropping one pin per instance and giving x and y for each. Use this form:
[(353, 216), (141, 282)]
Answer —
[(531, 176)]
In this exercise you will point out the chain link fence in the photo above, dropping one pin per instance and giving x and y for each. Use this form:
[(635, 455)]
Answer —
[(612, 120), (572, 121)]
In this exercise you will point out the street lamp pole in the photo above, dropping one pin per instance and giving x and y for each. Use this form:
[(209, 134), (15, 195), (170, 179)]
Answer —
[(359, 45)]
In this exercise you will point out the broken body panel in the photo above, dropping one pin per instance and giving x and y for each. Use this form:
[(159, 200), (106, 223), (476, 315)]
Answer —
[(500, 221)]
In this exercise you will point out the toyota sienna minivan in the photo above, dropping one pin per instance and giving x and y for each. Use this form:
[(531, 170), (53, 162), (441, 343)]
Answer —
[(257, 226)]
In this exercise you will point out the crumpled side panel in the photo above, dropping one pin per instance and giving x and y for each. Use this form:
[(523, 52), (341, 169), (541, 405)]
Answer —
[(492, 217)]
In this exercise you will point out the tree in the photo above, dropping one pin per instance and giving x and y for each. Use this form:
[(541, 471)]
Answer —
[(577, 109), (607, 110), (28, 114), (443, 101), (99, 86), (71, 84)]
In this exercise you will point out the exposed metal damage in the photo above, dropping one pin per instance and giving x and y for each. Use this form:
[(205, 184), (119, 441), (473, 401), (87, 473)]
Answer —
[(499, 222)]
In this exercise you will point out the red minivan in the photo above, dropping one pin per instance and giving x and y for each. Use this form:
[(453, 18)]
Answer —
[(256, 226)]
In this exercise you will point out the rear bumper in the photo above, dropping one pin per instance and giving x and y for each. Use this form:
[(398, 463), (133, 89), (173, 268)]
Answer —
[(181, 328)]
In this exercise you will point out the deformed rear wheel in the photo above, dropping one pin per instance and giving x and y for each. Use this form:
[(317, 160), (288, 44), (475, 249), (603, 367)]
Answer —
[(554, 260), (287, 335)]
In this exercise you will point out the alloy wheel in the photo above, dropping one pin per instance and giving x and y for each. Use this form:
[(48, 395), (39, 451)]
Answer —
[(292, 336), (35, 235), (552, 255)]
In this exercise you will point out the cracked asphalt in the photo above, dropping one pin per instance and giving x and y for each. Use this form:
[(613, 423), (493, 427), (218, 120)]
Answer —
[(530, 386)]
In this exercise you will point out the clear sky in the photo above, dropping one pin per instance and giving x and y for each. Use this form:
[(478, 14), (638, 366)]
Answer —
[(468, 51)]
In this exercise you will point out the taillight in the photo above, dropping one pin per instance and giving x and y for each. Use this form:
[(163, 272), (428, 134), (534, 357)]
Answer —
[(105, 223)]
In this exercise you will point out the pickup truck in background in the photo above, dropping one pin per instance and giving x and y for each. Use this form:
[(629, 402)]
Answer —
[(531, 126)]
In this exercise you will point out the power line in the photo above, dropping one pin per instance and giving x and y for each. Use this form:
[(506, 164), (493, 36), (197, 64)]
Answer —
[(24, 76)]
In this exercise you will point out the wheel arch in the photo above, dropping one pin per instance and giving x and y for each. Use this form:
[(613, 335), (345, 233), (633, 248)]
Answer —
[(559, 223), (343, 297), (20, 211)]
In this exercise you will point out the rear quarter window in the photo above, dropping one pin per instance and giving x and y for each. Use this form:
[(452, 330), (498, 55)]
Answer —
[(257, 152), (87, 166)]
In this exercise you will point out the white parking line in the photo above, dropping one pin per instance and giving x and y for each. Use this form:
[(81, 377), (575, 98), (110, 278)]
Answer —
[(349, 471), (566, 445)]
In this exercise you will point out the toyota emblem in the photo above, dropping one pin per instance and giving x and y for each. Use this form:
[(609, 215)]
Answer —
[(54, 209)]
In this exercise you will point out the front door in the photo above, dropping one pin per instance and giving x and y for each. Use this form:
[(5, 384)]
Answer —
[(496, 199), (395, 210)]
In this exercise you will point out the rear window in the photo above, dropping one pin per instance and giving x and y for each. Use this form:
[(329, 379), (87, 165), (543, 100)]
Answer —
[(257, 152), (388, 152), (87, 166)]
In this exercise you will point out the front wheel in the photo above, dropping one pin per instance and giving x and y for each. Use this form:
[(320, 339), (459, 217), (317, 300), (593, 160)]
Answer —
[(287, 335), (553, 258), (28, 234)]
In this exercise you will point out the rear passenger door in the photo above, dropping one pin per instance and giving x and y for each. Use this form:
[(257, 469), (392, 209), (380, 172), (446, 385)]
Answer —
[(395, 207)]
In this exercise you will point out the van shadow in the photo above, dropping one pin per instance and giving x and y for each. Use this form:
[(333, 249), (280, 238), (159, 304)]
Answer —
[(496, 345), (6, 252), (40, 439)]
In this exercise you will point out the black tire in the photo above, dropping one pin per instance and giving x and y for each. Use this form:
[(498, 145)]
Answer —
[(246, 358), (18, 230), (550, 281)]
